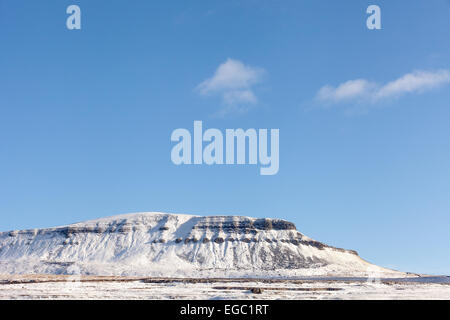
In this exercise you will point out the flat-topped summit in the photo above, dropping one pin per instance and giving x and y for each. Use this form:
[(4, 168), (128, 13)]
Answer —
[(175, 245)]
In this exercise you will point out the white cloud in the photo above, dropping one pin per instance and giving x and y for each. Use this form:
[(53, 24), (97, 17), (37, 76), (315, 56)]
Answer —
[(239, 96), (233, 81), (418, 81), (362, 90), (348, 90)]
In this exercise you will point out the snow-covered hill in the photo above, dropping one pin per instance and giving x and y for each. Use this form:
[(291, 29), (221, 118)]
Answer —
[(176, 245)]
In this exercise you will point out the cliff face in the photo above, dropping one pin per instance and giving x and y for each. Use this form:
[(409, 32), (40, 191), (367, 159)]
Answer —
[(174, 245)]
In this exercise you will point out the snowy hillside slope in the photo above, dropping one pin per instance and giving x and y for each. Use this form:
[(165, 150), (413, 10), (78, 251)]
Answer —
[(160, 244)]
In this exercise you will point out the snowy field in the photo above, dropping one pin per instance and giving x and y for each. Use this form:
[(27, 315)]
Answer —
[(69, 287)]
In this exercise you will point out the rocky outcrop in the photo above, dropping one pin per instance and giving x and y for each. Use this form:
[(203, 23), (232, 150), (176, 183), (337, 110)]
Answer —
[(243, 224)]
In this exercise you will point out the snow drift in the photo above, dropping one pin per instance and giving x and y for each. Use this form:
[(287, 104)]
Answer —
[(160, 244)]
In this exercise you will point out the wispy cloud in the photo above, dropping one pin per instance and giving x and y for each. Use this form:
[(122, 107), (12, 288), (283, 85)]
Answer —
[(365, 91), (349, 90), (233, 81), (419, 81)]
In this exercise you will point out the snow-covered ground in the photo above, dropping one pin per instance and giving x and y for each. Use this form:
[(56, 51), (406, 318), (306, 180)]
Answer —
[(58, 287)]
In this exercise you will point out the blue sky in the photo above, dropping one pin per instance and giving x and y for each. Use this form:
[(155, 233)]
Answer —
[(86, 116)]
